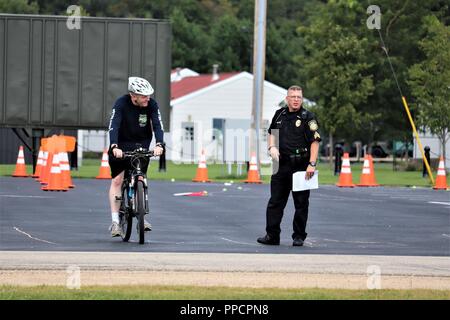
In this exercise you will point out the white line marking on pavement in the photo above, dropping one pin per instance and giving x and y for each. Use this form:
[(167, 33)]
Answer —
[(29, 236), (360, 242), (394, 244), (16, 196), (444, 203), (446, 235), (246, 243)]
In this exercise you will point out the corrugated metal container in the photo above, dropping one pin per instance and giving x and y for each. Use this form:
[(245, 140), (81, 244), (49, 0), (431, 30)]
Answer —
[(53, 76)]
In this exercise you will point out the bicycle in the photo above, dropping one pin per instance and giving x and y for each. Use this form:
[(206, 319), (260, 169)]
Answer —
[(134, 197)]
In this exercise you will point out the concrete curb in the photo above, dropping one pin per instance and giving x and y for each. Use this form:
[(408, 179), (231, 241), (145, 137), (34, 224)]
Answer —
[(236, 270)]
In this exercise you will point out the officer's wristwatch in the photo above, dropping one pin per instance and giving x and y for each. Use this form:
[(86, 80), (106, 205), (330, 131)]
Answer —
[(312, 163)]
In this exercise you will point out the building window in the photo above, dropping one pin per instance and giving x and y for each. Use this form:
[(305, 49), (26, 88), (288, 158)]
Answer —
[(189, 133), (218, 125)]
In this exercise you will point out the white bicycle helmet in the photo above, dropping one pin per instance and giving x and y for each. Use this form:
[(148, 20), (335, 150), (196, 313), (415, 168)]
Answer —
[(139, 86)]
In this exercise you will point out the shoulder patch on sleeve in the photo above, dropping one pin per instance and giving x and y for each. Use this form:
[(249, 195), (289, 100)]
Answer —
[(313, 125)]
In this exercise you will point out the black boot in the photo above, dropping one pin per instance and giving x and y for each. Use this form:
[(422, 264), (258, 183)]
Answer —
[(269, 240)]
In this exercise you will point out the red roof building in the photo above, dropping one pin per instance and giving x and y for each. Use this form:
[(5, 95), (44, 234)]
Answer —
[(211, 111), (189, 85)]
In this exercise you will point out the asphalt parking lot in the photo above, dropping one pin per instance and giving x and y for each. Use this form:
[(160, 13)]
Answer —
[(359, 221)]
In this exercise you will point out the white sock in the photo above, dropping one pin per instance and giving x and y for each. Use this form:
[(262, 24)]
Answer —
[(115, 216)]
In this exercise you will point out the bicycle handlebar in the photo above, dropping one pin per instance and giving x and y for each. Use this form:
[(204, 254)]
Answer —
[(141, 152)]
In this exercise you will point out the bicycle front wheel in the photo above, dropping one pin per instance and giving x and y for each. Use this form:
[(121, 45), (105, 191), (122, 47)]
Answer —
[(126, 218), (140, 206)]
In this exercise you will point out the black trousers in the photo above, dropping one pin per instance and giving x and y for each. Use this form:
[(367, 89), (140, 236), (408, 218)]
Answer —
[(280, 188)]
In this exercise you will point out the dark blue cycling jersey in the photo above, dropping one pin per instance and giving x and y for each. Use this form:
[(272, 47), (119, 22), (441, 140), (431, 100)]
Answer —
[(133, 126)]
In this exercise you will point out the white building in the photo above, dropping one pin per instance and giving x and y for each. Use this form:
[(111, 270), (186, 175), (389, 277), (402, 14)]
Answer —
[(212, 112)]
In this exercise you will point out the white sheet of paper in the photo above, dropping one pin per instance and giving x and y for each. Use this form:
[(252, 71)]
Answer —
[(299, 183)]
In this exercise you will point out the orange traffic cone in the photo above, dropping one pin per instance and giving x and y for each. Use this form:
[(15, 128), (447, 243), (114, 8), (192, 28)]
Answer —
[(441, 177), (105, 170), (39, 163), (21, 170), (345, 177), (367, 178), (253, 173), (46, 167), (55, 179), (65, 170), (202, 170)]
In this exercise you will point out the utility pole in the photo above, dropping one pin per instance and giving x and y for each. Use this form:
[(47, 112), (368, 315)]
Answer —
[(259, 60)]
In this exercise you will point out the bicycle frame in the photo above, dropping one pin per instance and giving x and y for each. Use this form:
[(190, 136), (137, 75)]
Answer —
[(134, 203), (131, 177)]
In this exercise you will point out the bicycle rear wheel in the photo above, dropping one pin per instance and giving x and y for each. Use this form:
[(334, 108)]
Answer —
[(140, 206)]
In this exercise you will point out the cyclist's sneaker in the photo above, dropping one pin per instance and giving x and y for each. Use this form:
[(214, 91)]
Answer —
[(116, 231), (147, 226)]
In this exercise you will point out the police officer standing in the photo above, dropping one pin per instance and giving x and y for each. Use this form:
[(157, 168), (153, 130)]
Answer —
[(294, 145)]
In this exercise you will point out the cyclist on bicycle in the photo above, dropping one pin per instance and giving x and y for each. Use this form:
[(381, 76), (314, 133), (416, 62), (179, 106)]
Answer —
[(134, 118)]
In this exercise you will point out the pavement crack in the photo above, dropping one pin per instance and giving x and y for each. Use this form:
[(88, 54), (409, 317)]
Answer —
[(245, 243)]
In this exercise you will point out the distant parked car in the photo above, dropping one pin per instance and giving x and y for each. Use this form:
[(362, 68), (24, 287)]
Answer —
[(401, 148), (378, 151), (352, 150)]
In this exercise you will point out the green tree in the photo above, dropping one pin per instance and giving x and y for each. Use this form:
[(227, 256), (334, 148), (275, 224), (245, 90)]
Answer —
[(336, 70), (401, 30), (283, 45), (18, 7), (430, 81), (191, 45), (230, 43)]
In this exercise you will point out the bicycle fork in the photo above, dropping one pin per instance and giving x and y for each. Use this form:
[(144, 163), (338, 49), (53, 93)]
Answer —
[(131, 189)]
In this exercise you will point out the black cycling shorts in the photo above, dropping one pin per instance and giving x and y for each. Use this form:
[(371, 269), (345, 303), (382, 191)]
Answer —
[(119, 165)]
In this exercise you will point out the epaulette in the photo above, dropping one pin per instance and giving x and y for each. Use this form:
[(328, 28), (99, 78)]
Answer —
[(279, 112), (305, 114)]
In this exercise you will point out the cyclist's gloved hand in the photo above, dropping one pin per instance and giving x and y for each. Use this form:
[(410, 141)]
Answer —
[(116, 151), (158, 150)]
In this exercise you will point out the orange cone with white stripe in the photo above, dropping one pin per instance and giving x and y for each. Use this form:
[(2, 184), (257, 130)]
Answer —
[(46, 166), (345, 177), (202, 170), (21, 170), (367, 178), (65, 170), (441, 178), (253, 173), (55, 178), (39, 163), (105, 170)]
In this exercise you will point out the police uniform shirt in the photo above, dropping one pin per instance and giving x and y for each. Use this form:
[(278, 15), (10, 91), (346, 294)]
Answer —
[(296, 130)]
